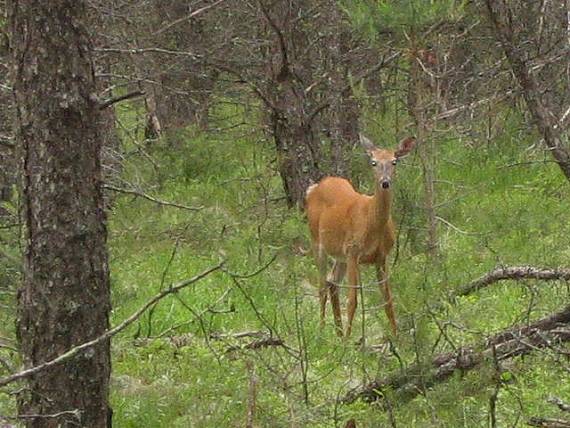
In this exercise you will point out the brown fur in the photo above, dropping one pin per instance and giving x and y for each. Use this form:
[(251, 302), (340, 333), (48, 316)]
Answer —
[(354, 229)]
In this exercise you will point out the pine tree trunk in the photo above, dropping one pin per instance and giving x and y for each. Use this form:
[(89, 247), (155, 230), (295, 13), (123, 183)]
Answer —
[(65, 299)]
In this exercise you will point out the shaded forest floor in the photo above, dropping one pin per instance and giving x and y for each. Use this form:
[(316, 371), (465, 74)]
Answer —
[(501, 202)]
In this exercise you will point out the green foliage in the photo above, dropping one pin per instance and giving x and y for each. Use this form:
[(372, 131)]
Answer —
[(504, 203), (401, 16)]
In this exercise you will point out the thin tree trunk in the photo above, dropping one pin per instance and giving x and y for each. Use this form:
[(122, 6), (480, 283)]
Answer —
[(65, 299), (417, 100), (543, 114), (344, 110)]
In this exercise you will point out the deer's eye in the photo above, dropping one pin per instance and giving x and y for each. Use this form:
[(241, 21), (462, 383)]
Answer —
[(395, 161), (373, 162)]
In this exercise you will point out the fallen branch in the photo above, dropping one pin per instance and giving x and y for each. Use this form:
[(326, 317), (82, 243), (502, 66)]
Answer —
[(150, 198), (508, 344), (513, 273), (559, 403), (548, 423), (174, 288)]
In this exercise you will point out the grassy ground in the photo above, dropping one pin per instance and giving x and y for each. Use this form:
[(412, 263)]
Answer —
[(503, 202)]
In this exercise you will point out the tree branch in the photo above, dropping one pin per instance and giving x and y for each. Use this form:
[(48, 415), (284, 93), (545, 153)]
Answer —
[(150, 198), (174, 288), (104, 104), (355, 81), (512, 273), (187, 17)]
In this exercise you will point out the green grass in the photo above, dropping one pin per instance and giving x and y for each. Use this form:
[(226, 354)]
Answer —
[(506, 206)]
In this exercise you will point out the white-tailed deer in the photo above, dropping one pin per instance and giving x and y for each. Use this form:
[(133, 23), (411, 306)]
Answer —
[(354, 229)]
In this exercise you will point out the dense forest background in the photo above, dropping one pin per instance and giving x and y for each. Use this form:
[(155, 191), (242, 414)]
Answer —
[(203, 124)]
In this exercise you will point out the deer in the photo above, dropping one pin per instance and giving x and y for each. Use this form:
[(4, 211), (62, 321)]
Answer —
[(354, 229)]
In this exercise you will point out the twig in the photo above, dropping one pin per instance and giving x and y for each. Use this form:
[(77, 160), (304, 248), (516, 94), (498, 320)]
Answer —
[(174, 288), (358, 79), (150, 198), (186, 18), (452, 226), (103, 105), (75, 413), (148, 50), (256, 334)]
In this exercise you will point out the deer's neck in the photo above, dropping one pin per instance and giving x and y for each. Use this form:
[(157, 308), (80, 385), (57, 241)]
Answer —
[(380, 208)]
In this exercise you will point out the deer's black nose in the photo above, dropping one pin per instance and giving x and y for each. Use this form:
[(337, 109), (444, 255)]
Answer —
[(385, 184)]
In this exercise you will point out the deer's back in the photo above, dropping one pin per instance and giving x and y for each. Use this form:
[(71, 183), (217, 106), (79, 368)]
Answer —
[(332, 207)]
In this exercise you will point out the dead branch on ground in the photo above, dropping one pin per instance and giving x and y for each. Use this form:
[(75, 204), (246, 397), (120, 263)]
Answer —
[(510, 343)]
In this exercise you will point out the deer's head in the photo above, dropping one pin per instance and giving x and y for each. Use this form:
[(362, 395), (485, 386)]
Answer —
[(384, 161)]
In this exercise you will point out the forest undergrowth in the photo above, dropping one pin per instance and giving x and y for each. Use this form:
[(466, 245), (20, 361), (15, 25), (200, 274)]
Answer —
[(246, 339)]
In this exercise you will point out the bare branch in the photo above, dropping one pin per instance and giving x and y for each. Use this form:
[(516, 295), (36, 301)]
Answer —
[(512, 273), (148, 50), (358, 79), (187, 17), (150, 198), (120, 98), (174, 288)]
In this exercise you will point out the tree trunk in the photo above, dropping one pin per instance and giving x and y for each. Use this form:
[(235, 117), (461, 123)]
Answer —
[(544, 114), (417, 105), (296, 153), (292, 127), (344, 110), (65, 299)]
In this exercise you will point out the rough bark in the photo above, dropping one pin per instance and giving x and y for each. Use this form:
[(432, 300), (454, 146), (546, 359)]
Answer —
[(535, 95), (291, 126), (64, 300), (507, 344)]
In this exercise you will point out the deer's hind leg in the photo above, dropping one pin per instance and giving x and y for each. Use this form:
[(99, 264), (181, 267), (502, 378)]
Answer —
[(337, 275)]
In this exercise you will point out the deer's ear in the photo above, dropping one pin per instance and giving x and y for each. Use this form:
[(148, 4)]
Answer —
[(366, 144), (405, 147)]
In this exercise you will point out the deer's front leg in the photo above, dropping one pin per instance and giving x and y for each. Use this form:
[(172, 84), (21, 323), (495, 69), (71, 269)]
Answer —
[(321, 259), (382, 275), (353, 285)]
